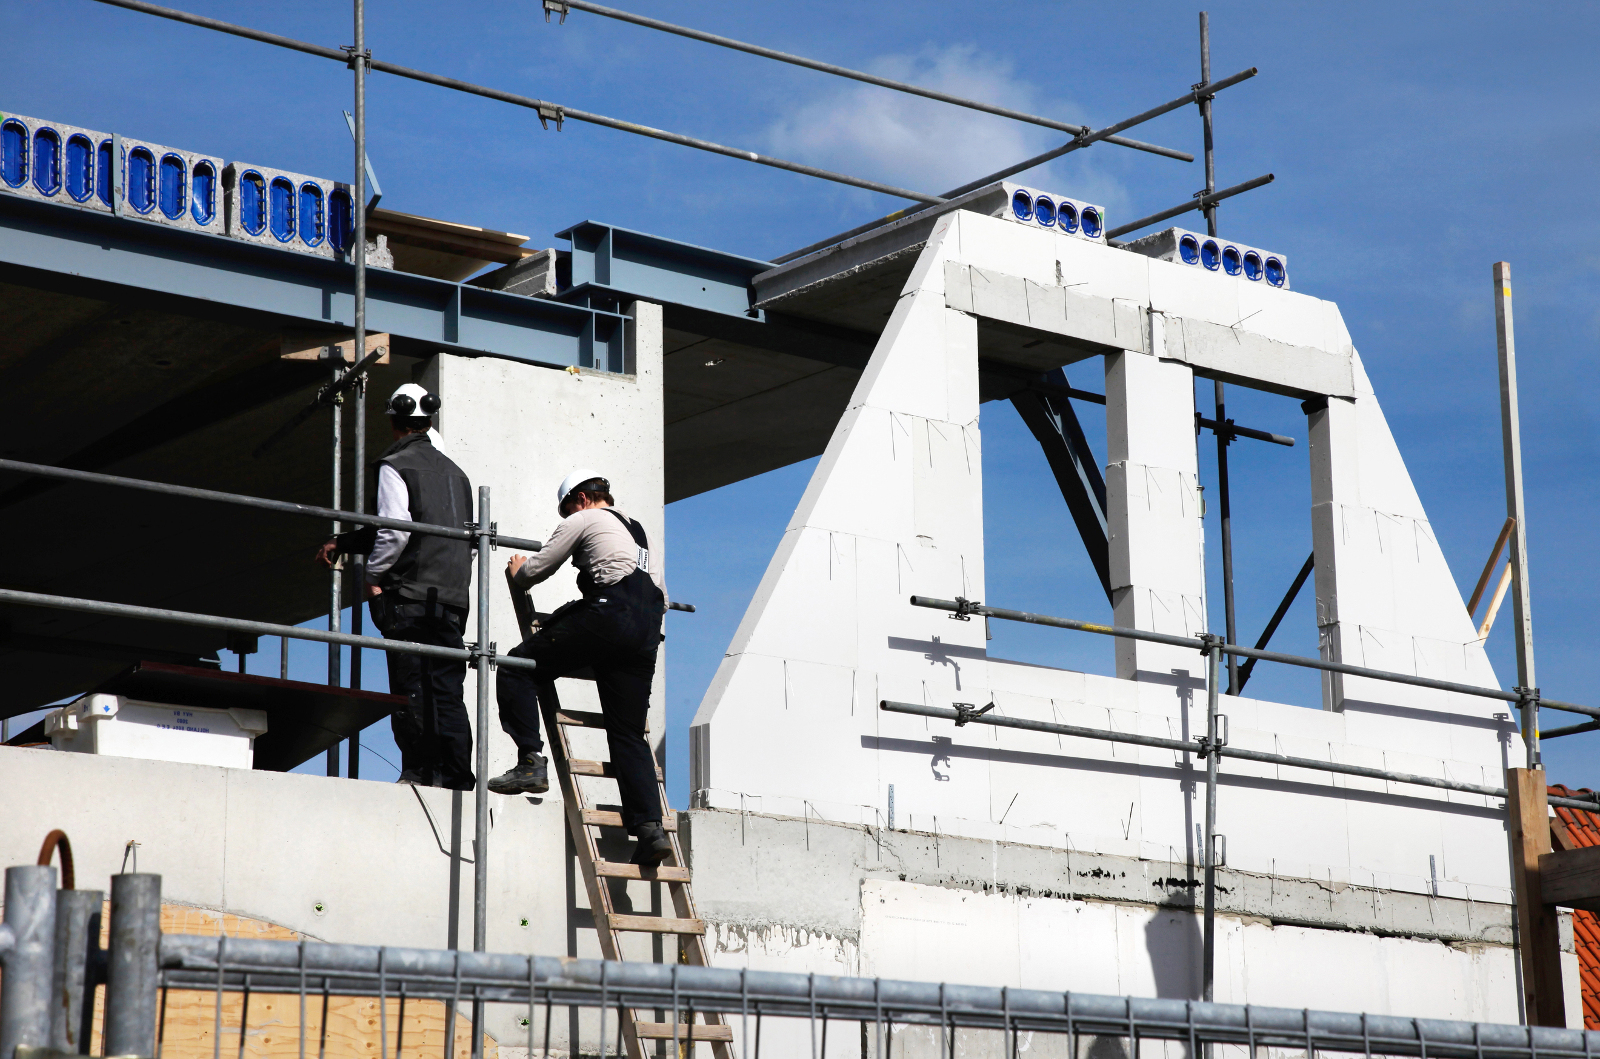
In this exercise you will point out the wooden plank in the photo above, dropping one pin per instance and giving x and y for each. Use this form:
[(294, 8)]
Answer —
[(606, 818), (1571, 878), (580, 719), (662, 1031), (610, 869), (579, 767), (1528, 812), (656, 924)]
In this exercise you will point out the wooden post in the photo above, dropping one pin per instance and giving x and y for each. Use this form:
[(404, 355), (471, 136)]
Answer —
[(1528, 813)]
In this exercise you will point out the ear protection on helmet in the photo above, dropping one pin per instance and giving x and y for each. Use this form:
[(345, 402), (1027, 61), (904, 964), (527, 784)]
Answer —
[(411, 401)]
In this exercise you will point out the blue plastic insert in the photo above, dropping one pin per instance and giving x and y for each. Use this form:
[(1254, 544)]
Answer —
[(1067, 217), (1252, 265), (1230, 261), (253, 202), (14, 153), (174, 186), (313, 225), (1022, 205), (102, 172), (1210, 254), (47, 161), (1044, 211), (280, 209), (204, 196), (1275, 273), (141, 179), (1189, 250), (1090, 219), (341, 221), (80, 167)]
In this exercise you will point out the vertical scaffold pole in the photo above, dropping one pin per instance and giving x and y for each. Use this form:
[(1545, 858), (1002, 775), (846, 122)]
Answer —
[(335, 581), (77, 942), (131, 966), (1511, 436), (480, 851), (30, 916), (1213, 676), (1224, 435), (358, 561)]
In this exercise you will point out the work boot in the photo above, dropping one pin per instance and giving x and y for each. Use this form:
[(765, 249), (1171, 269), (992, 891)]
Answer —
[(654, 846), (531, 775)]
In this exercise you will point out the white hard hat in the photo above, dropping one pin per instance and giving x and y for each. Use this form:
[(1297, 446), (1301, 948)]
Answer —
[(412, 401), (577, 478)]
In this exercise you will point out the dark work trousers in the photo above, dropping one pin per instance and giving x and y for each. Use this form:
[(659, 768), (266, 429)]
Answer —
[(431, 731), (623, 677)]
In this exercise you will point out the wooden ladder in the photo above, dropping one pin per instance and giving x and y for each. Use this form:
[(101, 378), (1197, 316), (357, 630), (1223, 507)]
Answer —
[(584, 821)]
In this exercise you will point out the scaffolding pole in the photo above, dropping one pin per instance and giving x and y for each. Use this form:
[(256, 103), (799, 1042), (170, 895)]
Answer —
[(961, 607), (1511, 436), (336, 575), (358, 351)]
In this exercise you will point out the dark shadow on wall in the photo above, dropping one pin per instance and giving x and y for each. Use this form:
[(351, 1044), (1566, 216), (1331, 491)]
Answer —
[(1174, 942)]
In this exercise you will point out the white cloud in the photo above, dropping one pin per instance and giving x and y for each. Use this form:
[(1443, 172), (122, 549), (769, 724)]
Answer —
[(928, 146)]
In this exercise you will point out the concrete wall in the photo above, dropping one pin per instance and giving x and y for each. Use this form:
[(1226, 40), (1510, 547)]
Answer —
[(788, 727)]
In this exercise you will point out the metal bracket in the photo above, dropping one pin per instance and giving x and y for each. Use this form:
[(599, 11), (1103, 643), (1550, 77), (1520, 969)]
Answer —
[(1208, 640), (549, 111), (494, 529), (965, 609), (350, 56), (1527, 697), (965, 712), (482, 656), (556, 5)]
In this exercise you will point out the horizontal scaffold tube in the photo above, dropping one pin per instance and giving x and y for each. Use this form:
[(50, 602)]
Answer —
[(545, 108), (459, 533), (254, 628), (1195, 643), (1198, 747), (292, 967)]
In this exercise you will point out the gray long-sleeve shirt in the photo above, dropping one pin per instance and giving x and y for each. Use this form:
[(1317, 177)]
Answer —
[(597, 542)]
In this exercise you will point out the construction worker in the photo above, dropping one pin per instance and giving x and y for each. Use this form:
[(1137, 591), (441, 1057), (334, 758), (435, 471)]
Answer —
[(615, 630), (416, 586)]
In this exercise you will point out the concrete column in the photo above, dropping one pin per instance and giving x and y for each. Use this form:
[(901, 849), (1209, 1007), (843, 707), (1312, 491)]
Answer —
[(1153, 513), (1335, 473)]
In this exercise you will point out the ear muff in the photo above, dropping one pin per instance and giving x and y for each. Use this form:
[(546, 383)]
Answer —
[(403, 404), (430, 403)]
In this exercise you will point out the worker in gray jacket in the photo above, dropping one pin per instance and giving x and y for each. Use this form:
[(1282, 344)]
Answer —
[(614, 629)]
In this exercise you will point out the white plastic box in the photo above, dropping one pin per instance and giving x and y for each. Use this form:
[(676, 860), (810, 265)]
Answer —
[(291, 211), (1215, 254), (123, 727)]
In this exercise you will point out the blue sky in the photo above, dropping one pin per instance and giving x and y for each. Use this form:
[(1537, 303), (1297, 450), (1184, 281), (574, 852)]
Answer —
[(1414, 145)]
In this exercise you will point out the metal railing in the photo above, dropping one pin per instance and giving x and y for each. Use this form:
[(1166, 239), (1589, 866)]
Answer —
[(1212, 747), (143, 968)]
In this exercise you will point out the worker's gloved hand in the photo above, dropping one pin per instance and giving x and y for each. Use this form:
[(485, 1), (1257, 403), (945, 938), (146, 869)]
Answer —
[(514, 565), (328, 552)]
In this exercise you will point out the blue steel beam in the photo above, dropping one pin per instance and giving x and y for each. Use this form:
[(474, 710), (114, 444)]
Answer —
[(608, 261), (75, 250)]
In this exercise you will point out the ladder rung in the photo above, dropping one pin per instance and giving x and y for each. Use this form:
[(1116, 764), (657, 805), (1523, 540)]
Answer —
[(580, 767), (581, 719), (603, 818), (662, 1031), (610, 869), (656, 924)]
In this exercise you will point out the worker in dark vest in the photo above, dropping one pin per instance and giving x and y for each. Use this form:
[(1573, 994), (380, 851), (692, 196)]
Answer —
[(615, 630), (417, 590)]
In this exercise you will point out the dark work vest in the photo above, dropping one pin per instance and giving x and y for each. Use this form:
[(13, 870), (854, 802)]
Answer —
[(628, 613), (431, 568)]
